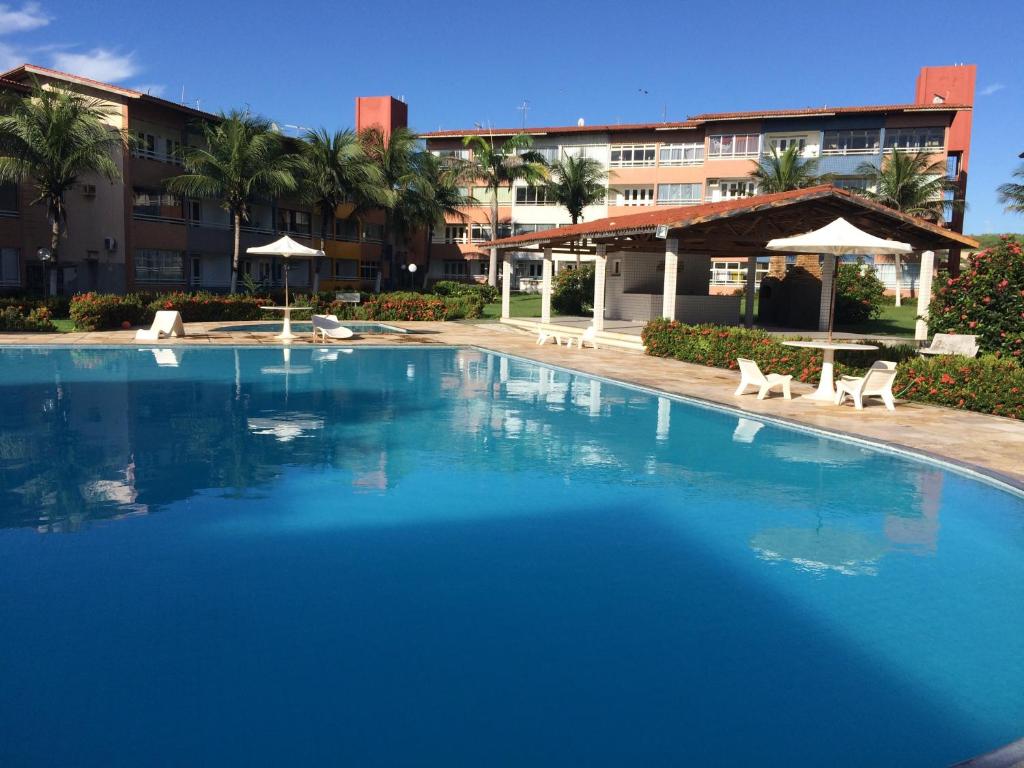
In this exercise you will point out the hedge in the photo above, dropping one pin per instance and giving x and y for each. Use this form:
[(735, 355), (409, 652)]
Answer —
[(488, 293), (16, 318), (56, 306), (102, 311), (986, 384), (202, 306)]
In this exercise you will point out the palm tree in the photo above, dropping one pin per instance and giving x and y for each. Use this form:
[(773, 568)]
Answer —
[(243, 160), (782, 172), (435, 196), (335, 170), (50, 139), (400, 159), (501, 166), (1011, 194), (576, 182), (913, 183)]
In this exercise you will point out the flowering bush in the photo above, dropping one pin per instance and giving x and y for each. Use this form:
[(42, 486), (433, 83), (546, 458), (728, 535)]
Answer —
[(404, 305), (859, 294), (986, 300), (572, 291), (202, 306), (14, 318), (986, 384), (56, 306), (100, 311)]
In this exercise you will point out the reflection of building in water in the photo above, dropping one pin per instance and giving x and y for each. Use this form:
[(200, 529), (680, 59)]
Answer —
[(849, 553), (920, 533), (374, 476), (284, 426)]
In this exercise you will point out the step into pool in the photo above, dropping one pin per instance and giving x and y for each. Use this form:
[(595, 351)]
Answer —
[(446, 557)]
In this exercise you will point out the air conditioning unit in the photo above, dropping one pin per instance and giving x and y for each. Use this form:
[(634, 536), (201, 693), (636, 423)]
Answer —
[(89, 190), (110, 244)]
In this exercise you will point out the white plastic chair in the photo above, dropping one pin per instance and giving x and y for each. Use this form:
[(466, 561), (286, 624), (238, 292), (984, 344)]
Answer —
[(963, 344), (329, 328), (552, 334), (751, 376), (588, 337), (877, 382), (165, 323)]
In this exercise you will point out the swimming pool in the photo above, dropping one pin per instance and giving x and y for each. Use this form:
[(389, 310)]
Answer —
[(360, 327), (447, 557)]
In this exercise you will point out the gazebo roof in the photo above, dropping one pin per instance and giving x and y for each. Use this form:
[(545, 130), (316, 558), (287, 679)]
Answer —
[(743, 226)]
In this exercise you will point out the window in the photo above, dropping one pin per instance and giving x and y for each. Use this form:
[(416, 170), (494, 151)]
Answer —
[(8, 198), (145, 145), (735, 145), (481, 233), (593, 151), (197, 270), (295, 222), (455, 269), (634, 196), (173, 151), (153, 266), (368, 270), (850, 142), (681, 154), (548, 154), (10, 267), (483, 196), (632, 155), (915, 139), (533, 196), (195, 210), (155, 204), (532, 269), (346, 269), (346, 229), (455, 233), (526, 229), (729, 189), (857, 183), (457, 154), (678, 194), (782, 143), (373, 233)]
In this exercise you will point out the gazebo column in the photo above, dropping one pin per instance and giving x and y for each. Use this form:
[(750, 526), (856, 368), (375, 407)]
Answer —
[(545, 287), (924, 294), (506, 285), (668, 301), (600, 263), (828, 274), (748, 315)]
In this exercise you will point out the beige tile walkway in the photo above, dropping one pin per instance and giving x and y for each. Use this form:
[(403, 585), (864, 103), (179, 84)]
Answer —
[(989, 444)]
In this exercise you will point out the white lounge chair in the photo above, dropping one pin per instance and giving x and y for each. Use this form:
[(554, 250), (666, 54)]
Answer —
[(751, 376), (586, 337), (964, 345), (546, 334), (165, 323), (877, 382), (329, 328)]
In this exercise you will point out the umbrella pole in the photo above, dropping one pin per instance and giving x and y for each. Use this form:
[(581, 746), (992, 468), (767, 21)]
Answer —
[(284, 265), (832, 298)]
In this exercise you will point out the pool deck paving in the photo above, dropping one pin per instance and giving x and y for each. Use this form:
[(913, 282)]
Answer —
[(988, 444)]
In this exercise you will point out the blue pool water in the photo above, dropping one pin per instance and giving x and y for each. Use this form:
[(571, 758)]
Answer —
[(442, 557), (307, 327)]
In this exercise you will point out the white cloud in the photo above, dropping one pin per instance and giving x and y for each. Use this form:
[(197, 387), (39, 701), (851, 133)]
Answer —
[(153, 89), (9, 57), (98, 64), (29, 16), (988, 90)]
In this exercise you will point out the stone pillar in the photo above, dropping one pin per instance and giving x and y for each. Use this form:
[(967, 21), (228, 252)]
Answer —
[(506, 285), (545, 287), (748, 315), (668, 305), (809, 261), (898, 265), (827, 275), (600, 267), (777, 265), (924, 295)]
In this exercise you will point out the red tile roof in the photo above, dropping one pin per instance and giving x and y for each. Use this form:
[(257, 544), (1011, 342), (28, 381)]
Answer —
[(696, 121), (681, 216)]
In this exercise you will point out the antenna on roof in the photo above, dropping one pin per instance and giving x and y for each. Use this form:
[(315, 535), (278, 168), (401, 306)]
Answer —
[(525, 109), (182, 93)]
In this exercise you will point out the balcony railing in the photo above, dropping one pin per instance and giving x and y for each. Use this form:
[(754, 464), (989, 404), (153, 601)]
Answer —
[(8, 214), (156, 218), (161, 157)]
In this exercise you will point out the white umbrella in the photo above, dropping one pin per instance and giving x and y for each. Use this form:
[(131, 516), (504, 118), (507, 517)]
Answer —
[(838, 239), (286, 248)]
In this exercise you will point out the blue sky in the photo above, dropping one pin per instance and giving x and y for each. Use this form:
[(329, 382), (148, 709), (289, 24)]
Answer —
[(303, 63)]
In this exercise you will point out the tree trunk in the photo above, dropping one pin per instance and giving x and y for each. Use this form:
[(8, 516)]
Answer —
[(388, 248), (575, 243), (51, 281), (234, 255), (492, 270), (323, 238), (429, 253)]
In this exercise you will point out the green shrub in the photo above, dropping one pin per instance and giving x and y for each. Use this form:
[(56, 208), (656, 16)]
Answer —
[(986, 300), (14, 318), (572, 291), (404, 305), (986, 384), (488, 293), (203, 307), (102, 311), (859, 294), (466, 305), (57, 306)]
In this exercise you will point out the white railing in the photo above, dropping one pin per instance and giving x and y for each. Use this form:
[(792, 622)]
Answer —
[(846, 151), (680, 202), (158, 219), (8, 214), (163, 157)]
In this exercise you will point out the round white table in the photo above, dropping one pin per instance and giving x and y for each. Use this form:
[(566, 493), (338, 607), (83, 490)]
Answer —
[(826, 387), (286, 328)]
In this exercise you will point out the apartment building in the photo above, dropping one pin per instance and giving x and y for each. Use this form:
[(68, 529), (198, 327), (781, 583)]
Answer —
[(708, 158), (134, 235)]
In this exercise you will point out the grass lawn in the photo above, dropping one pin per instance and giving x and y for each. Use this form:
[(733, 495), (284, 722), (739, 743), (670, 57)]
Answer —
[(893, 321), (64, 324), (520, 305)]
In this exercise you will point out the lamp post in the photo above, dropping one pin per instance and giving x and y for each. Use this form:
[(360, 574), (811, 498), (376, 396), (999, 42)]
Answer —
[(412, 278), (46, 256)]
